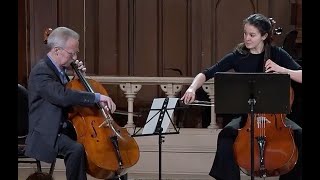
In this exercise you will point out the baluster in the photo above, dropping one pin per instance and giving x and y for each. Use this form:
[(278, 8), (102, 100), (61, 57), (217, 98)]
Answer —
[(171, 90), (210, 90), (130, 90)]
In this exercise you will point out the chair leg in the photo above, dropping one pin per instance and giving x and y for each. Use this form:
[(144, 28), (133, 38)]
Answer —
[(52, 167), (38, 166)]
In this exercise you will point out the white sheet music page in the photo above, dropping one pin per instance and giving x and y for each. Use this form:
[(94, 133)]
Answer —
[(154, 115)]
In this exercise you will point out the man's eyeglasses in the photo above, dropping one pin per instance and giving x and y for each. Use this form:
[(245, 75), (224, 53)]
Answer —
[(70, 53)]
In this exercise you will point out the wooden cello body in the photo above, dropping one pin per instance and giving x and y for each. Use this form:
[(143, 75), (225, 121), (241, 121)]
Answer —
[(110, 150), (275, 152)]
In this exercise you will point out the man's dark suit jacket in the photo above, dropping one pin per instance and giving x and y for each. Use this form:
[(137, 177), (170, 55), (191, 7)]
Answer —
[(49, 101)]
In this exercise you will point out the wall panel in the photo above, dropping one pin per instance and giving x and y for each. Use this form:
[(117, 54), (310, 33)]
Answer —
[(175, 38), (144, 37), (43, 14), (229, 31)]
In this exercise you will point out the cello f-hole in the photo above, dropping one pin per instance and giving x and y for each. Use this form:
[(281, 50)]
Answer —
[(94, 130)]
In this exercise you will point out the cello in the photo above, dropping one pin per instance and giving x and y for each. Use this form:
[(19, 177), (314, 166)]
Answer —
[(274, 149), (110, 149)]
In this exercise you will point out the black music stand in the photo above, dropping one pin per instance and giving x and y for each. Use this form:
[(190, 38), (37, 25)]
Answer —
[(239, 93), (158, 121)]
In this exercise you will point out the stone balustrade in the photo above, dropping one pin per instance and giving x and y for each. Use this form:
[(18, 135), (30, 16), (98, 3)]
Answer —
[(170, 85)]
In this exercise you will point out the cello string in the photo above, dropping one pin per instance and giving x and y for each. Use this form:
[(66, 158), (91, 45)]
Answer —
[(108, 119)]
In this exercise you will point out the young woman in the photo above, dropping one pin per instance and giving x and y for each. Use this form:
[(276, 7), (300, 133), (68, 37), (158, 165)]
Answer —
[(249, 56)]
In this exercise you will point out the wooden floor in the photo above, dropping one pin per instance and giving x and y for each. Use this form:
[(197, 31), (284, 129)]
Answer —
[(23, 173), (187, 156)]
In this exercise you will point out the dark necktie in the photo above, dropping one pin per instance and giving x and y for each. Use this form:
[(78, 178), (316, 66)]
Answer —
[(63, 77)]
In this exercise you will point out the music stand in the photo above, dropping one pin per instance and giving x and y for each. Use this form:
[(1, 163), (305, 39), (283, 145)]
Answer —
[(158, 120), (251, 93)]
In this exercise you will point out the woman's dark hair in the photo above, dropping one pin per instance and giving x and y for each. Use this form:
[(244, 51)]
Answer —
[(263, 24), (40, 176)]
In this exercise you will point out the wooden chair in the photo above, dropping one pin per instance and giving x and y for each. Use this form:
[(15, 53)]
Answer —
[(23, 124), (23, 121)]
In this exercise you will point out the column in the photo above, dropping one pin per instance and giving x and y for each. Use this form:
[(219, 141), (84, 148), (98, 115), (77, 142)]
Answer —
[(171, 90), (210, 90), (130, 90)]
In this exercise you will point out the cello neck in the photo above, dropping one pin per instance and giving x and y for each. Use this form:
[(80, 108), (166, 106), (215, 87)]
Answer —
[(266, 55), (81, 77), (84, 81), (267, 48)]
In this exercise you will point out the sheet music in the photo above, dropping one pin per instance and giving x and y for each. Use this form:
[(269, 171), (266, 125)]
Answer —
[(153, 117)]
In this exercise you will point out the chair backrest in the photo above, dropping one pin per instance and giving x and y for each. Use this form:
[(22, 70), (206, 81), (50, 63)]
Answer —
[(22, 117), (23, 127)]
